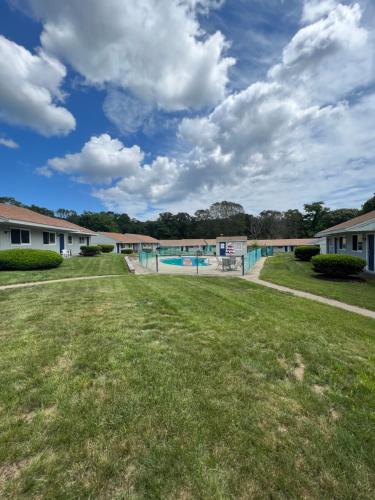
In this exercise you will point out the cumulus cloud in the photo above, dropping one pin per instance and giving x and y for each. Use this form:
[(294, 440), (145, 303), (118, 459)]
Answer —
[(30, 90), (8, 143), (156, 49), (303, 133), (316, 9), (101, 160)]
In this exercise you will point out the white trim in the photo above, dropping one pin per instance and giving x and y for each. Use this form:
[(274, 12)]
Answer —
[(48, 244), (19, 244), (44, 226)]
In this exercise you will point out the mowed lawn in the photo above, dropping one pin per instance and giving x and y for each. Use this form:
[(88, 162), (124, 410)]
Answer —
[(70, 268), (284, 269), (183, 387)]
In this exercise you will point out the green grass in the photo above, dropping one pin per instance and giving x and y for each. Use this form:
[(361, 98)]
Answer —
[(284, 269), (70, 268), (183, 387)]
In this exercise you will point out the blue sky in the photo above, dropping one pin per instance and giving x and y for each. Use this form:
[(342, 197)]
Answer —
[(172, 105)]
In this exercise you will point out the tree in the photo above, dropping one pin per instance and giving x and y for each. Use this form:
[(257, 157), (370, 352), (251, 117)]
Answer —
[(315, 218), (292, 224), (225, 209), (63, 213), (6, 200), (335, 217), (369, 205)]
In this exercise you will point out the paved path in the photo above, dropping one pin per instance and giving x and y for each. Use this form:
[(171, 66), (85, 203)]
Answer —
[(254, 278), (61, 280)]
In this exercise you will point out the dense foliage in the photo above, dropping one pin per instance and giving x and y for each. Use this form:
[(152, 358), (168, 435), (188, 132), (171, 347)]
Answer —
[(337, 265), (28, 259), (127, 251), (306, 252), (106, 248), (90, 250), (223, 217)]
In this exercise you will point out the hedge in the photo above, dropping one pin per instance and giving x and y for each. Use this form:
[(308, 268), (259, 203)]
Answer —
[(338, 265), (306, 252), (90, 250), (127, 251), (106, 248), (27, 259)]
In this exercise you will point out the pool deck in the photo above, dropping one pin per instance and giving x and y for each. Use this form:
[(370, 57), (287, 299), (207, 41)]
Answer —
[(211, 270)]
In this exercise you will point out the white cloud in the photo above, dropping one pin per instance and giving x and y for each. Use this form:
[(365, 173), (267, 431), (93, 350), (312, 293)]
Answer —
[(154, 48), (316, 9), (8, 143), (303, 134), (101, 160), (30, 89), (126, 112)]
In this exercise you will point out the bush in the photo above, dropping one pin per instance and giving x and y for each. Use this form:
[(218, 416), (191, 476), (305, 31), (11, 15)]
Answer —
[(147, 250), (106, 248), (337, 265), (127, 251), (90, 250), (27, 259), (306, 252)]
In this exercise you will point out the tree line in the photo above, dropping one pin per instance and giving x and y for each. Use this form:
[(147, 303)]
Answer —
[(225, 217)]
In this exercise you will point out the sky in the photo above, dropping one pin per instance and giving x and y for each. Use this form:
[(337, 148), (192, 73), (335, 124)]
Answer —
[(170, 105)]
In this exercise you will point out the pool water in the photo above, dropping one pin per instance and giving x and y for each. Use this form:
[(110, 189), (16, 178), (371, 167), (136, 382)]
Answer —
[(186, 261)]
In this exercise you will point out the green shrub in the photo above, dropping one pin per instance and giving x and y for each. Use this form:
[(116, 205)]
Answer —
[(127, 251), (90, 250), (106, 248), (28, 259), (337, 265), (306, 252), (147, 250)]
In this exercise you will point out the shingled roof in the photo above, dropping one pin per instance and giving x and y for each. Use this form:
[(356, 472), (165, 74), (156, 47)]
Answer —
[(361, 219), (17, 214)]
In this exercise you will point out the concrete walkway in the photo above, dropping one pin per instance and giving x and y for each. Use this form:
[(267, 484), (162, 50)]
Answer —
[(61, 280), (253, 276)]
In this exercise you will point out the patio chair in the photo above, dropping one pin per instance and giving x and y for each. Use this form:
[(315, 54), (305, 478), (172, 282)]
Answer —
[(226, 264), (219, 264)]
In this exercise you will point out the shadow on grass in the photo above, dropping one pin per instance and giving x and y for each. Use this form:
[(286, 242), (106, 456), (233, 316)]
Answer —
[(336, 279)]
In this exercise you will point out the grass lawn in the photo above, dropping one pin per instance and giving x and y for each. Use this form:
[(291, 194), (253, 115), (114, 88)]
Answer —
[(70, 268), (183, 387), (284, 269)]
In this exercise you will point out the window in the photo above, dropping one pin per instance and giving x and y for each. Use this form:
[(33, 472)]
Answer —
[(19, 237), (70, 239), (49, 238), (342, 243), (82, 239), (357, 243)]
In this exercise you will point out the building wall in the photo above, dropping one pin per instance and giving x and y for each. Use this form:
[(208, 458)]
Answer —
[(349, 245), (100, 239), (240, 247), (36, 239)]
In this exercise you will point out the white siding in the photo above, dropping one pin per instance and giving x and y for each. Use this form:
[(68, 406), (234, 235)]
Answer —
[(36, 239)]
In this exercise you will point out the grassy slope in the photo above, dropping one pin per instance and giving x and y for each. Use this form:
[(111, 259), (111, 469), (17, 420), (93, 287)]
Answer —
[(183, 387), (70, 268), (284, 269)]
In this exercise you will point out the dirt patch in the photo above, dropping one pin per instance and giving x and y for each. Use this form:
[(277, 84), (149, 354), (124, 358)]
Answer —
[(299, 370), (8, 472), (319, 389)]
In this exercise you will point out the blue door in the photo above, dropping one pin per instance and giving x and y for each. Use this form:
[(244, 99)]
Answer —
[(371, 253), (62, 242), (223, 249)]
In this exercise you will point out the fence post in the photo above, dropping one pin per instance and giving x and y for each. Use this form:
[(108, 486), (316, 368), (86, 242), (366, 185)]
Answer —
[(243, 265), (197, 263), (157, 262)]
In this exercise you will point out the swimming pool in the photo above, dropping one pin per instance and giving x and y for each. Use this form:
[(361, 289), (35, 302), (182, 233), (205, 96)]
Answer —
[(186, 261)]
